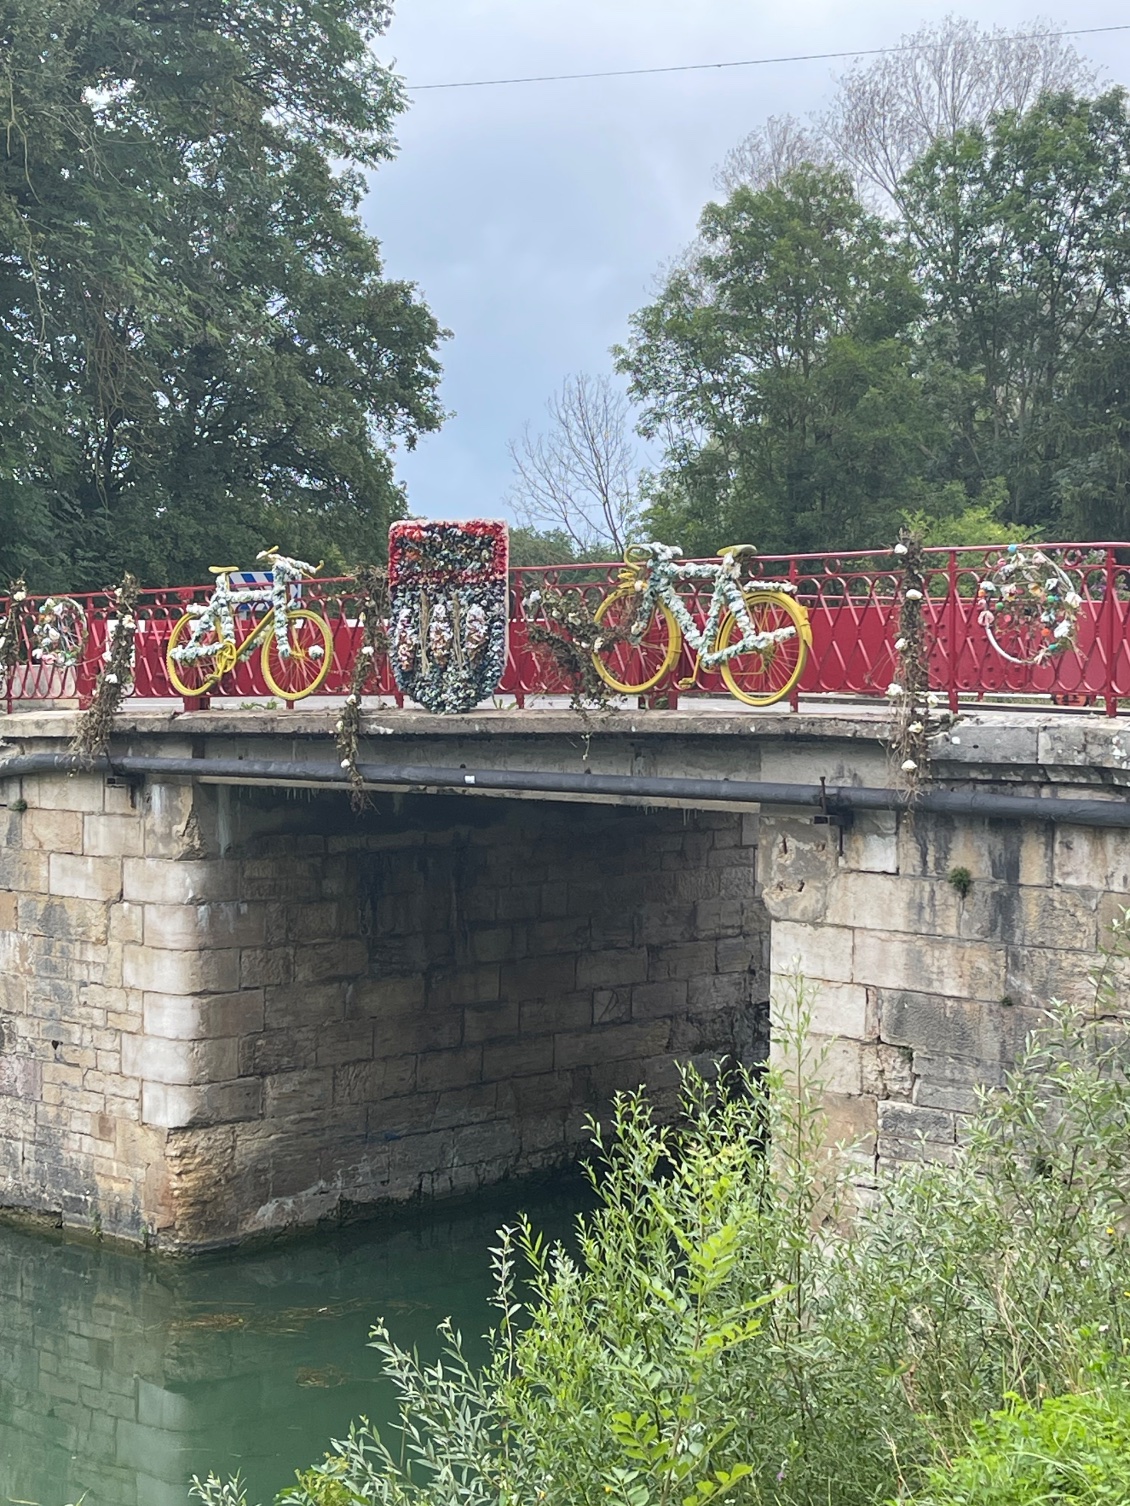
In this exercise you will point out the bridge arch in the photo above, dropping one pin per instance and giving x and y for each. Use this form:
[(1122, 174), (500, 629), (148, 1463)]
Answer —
[(229, 1010)]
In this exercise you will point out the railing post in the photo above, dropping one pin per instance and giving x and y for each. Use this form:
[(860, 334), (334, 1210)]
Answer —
[(794, 693), (953, 614), (1110, 633), (9, 675), (86, 675), (516, 655)]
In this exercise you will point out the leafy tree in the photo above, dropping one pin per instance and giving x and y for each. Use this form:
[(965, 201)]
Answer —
[(1091, 484), (968, 526), (776, 366), (200, 353), (1023, 259), (551, 546), (816, 373)]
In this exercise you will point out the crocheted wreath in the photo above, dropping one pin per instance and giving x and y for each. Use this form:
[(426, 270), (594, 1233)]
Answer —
[(59, 634), (1029, 607), (448, 611)]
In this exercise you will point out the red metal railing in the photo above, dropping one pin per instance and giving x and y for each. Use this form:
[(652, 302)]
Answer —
[(852, 601)]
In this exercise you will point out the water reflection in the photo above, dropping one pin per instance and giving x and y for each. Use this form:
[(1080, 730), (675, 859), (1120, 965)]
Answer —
[(121, 1376)]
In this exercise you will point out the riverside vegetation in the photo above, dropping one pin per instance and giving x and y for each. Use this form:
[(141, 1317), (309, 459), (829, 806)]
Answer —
[(739, 1321)]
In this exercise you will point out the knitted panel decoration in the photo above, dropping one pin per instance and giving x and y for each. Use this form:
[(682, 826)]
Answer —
[(449, 611)]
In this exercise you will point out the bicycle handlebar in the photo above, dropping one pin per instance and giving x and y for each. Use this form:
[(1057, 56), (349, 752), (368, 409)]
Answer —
[(734, 558), (289, 566), (638, 554)]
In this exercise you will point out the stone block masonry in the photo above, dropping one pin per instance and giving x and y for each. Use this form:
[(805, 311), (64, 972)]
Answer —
[(922, 993), (227, 1012)]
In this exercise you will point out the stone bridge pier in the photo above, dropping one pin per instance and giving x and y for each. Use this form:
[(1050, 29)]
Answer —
[(931, 944), (230, 1006)]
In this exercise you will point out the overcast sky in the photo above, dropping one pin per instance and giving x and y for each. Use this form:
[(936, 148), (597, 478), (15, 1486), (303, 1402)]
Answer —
[(534, 218)]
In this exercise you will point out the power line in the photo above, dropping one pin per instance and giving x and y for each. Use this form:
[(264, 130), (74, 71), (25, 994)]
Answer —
[(798, 57)]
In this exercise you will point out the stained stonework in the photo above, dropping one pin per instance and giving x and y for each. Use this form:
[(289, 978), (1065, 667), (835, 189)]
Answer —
[(224, 1012), (924, 994)]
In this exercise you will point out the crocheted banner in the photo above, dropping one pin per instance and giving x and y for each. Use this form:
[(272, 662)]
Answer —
[(449, 611)]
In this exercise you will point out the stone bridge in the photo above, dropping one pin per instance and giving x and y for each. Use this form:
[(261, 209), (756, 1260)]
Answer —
[(229, 1005)]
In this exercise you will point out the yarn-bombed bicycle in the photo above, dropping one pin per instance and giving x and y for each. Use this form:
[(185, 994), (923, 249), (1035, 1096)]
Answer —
[(755, 633), (297, 643)]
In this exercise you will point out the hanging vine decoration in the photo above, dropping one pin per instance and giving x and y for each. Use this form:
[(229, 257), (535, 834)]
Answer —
[(372, 590), (560, 621), (10, 630), (116, 677), (915, 719)]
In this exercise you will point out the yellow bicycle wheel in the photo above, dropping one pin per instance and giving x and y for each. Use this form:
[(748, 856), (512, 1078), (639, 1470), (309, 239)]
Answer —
[(300, 671), (761, 676), (198, 675), (632, 667)]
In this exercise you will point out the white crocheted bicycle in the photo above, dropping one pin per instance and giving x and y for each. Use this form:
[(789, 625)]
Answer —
[(209, 641), (755, 632)]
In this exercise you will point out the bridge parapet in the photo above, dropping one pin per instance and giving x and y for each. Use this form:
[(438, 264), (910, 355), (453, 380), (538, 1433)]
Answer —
[(228, 1011)]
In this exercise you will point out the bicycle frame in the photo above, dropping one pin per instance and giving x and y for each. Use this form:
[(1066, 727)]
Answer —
[(662, 573), (219, 613)]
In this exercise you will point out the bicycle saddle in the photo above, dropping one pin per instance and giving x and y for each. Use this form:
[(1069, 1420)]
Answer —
[(223, 569)]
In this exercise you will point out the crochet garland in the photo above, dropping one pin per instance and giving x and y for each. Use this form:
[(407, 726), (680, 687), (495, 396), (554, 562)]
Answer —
[(753, 643), (667, 567), (207, 614), (560, 621), (215, 619), (59, 635), (372, 616), (916, 720), (909, 692), (116, 677), (1029, 607), (10, 629)]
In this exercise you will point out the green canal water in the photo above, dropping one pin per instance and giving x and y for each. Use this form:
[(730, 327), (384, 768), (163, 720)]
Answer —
[(122, 1375)]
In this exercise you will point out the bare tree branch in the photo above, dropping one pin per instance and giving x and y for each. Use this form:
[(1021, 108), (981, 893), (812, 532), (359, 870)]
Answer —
[(582, 476), (775, 149), (954, 74)]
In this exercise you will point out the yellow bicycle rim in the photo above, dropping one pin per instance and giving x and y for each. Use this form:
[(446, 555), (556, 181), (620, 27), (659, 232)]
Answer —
[(644, 681), (300, 657), (781, 665), (181, 631)]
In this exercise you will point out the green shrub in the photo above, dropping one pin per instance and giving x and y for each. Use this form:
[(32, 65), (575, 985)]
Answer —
[(1072, 1449), (727, 1331)]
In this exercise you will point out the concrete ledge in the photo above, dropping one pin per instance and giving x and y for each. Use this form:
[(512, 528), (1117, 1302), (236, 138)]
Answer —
[(708, 718), (841, 743)]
